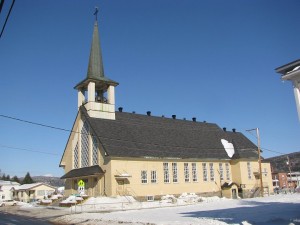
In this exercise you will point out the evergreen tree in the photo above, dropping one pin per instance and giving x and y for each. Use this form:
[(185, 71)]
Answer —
[(8, 178), (27, 179), (3, 177), (16, 179)]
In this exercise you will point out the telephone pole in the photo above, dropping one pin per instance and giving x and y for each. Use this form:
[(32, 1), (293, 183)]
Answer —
[(259, 161), (289, 165)]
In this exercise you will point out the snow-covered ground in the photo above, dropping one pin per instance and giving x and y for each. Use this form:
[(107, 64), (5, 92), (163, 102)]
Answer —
[(282, 209)]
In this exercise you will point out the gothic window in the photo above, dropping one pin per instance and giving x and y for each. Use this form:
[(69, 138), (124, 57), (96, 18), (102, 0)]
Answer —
[(76, 161), (95, 151), (85, 145)]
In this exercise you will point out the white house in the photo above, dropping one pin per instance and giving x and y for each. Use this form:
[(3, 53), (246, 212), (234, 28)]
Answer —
[(6, 189), (32, 192)]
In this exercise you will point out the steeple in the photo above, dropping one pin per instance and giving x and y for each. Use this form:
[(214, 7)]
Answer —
[(95, 69), (100, 97)]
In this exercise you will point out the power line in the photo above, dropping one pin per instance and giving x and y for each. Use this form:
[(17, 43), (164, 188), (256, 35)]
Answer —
[(103, 137), (12, 4), (28, 150)]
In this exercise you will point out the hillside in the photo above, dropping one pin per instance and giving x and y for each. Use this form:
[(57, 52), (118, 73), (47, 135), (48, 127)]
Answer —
[(53, 181), (279, 163)]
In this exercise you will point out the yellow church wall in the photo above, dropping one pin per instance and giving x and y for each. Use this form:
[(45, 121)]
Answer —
[(126, 178), (246, 173)]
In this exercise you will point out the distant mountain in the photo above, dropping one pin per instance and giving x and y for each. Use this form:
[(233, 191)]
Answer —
[(53, 181), (279, 163)]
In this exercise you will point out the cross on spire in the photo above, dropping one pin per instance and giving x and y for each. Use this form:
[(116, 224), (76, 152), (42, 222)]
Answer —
[(96, 13)]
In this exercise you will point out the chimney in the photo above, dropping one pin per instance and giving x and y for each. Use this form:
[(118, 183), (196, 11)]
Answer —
[(224, 128), (149, 113), (174, 117), (120, 109), (194, 119), (233, 130)]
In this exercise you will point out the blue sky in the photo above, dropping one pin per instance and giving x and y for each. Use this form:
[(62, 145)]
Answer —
[(213, 60)]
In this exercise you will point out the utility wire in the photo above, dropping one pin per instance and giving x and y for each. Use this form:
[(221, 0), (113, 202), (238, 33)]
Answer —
[(28, 150), (112, 139), (1, 5), (12, 4)]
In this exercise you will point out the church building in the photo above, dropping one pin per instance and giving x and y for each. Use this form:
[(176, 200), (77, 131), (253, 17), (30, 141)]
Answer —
[(112, 152)]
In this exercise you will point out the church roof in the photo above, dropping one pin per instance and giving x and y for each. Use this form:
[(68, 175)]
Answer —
[(135, 135), (95, 71)]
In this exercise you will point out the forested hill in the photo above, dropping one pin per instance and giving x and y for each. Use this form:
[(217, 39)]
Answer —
[(53, 181), (279, 163)]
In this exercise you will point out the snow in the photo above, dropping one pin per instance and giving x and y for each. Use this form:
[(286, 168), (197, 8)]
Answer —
[(271, 210), (228, 147)]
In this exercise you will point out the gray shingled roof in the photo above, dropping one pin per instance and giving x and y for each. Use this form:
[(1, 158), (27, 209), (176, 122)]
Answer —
[(82, 172), (135, 135)]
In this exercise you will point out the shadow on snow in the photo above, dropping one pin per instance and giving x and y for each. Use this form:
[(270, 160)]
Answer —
[(255, 213)]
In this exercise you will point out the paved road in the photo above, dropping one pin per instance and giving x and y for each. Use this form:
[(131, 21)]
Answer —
[(10, 219)]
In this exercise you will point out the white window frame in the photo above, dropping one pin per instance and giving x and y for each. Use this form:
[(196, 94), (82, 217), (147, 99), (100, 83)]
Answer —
[(153, 176), (221, 171), (144, 178), (249, 170), (194, 172), (227, 171), (166, 172), (211, 172), (205, 175), (186, 172), (175, 172)]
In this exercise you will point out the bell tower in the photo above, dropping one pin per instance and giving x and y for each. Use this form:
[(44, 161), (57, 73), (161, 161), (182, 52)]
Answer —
[(97, 92)]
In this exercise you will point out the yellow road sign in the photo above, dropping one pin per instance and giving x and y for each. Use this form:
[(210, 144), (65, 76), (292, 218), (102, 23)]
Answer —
[(81, 183)]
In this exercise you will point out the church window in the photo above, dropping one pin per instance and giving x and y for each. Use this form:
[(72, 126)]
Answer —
[(204, 168), (186, 172), (221, 171), (212, 172), (144, 177), (175, 173), (166, 173), (249, 170), (194, 172), (153, 176), (76, 162), (84, 145), (227, 171), (95, 151)]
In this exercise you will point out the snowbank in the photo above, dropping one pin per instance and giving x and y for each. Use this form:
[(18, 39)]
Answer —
[(272, 210)]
